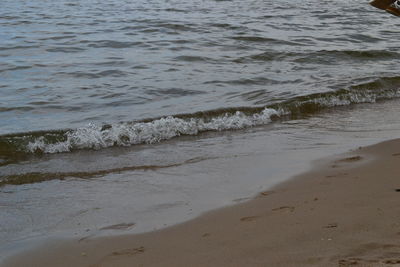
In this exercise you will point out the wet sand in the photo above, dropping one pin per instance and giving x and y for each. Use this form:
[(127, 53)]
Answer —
[(344, 212)]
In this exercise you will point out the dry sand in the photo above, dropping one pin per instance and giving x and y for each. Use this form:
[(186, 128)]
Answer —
[(345, 212)]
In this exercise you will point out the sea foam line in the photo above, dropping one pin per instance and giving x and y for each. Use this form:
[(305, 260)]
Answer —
[(95, 136)]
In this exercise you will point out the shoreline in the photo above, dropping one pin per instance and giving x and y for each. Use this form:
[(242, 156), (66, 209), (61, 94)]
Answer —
[(343, 212)]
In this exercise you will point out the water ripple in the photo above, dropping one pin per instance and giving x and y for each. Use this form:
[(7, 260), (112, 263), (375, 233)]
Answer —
[(113, 44), (154, 58), (65, 49)]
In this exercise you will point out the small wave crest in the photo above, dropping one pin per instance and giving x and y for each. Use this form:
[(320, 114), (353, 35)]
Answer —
[(95, 136)]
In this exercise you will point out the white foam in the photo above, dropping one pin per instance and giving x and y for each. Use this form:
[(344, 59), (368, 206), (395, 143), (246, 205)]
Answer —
[(94, 136), (367, 96)]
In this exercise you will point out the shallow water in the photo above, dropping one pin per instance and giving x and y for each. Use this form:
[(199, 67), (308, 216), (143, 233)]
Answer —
[(152, 112)]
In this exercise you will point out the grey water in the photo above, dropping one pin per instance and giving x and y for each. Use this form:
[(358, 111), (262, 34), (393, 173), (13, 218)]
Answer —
[(64, 64), (148, 113)]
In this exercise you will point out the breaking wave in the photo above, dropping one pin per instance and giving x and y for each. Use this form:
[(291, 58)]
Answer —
[(152, 131), (124, 134)]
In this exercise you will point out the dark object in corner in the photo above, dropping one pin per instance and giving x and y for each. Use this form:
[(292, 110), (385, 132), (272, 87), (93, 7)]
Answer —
[(381, 4)]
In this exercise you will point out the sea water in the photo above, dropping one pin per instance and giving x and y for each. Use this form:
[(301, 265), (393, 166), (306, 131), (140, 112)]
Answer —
[(128, 116)]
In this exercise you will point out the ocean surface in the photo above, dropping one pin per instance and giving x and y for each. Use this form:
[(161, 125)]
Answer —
[(127, 116)]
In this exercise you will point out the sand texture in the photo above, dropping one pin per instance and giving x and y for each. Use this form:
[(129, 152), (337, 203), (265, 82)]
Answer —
[(344, 212)]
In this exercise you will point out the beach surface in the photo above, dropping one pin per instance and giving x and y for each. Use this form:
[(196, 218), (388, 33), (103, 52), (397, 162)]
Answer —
[(344, 212)]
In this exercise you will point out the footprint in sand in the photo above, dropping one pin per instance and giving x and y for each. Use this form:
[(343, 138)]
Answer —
[(346, 160), (350, 159), (129, 251), (331, 225), (356, 262), (373, 254), (249, 218), (284, 209), (368, 262), (392, 261), (266, 193), (336, 175)]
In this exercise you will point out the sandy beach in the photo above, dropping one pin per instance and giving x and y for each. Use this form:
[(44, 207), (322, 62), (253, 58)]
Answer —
[(344, 212)]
